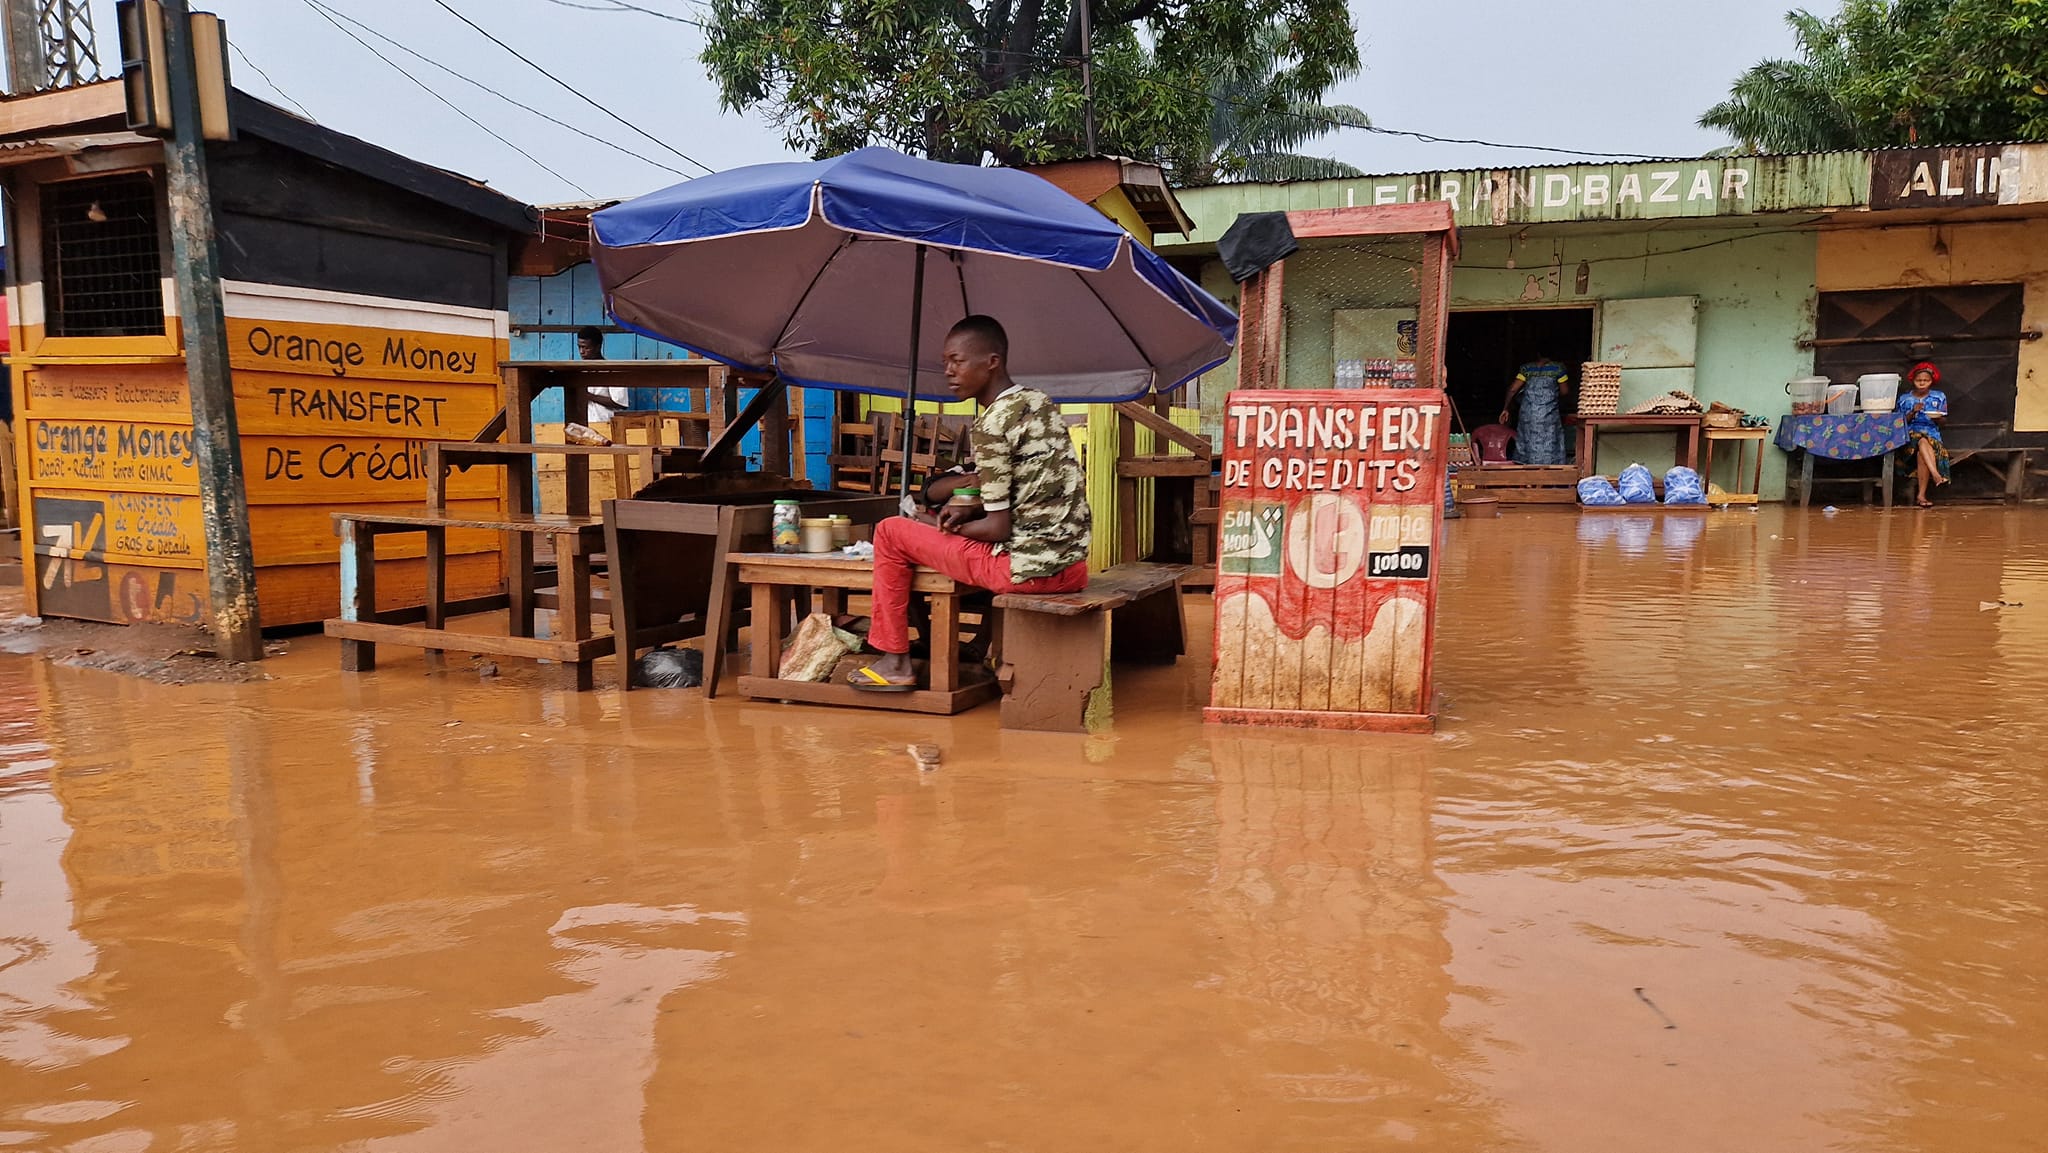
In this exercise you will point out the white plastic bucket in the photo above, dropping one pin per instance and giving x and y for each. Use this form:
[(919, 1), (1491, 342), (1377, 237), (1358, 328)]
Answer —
[(1807, 394), (1879, 391), (1841, 399)]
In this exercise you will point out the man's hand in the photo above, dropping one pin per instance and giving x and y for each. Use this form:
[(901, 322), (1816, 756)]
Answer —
[(953, 517)]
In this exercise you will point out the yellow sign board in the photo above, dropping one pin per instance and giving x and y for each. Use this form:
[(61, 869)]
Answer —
[(110, 454), (351, 352)]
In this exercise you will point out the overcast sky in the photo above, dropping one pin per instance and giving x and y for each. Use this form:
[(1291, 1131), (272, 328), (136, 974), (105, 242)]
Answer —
[(1601, 75)]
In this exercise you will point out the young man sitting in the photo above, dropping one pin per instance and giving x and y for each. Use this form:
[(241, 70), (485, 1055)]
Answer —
[(1030, 534)]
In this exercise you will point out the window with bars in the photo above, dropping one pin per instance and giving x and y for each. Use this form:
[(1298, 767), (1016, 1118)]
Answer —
[(102, 260)]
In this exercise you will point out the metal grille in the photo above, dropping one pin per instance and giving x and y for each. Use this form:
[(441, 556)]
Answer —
[(102, 259)]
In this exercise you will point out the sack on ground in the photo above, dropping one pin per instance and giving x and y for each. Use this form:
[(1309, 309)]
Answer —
[(815, 649), (1598, 490), (1683, 486), (1636, 485), (669, 667)]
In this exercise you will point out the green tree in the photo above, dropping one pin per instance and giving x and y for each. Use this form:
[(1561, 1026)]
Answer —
[(955, 79), (1259, 117), (1890, 72)]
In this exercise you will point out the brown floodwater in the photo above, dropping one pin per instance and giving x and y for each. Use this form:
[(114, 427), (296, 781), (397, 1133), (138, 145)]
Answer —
[(1730, 841)]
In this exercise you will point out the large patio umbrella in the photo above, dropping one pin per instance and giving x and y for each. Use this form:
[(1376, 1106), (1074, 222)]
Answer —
[(846, 274)]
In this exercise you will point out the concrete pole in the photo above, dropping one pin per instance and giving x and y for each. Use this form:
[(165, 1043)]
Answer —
[(27, 71), (216, 442)]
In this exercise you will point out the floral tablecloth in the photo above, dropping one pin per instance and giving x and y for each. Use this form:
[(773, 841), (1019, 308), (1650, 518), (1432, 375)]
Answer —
[(1857, 436)]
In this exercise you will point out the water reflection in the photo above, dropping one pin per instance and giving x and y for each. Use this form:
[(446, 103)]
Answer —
[(1779, 772)]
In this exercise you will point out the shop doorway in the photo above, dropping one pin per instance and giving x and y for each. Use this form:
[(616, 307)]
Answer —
[(1484, 347)]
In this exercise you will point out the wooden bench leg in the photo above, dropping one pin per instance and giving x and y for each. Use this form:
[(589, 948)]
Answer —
[(437, 589), (619, 576), (574, 591), (1054, 676), (1150, 630), (358, 592), (943, 638)]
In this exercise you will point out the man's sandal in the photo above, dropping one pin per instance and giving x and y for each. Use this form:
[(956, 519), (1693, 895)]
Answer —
[(867, 680)]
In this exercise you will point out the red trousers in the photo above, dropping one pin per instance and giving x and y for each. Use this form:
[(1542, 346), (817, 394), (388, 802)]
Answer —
[(902, 544)]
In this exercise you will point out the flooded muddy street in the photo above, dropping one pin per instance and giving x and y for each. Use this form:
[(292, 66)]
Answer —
[(1729, 840)]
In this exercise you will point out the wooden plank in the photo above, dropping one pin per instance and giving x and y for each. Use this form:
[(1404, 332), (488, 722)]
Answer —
[(826, 693), (1302, 719), (54, 112), (522, 522), (731, 435), (797, 575), (1108, 589), (280, 404), (1161, 426), (339, 351), (1373, 220), (496, 644), (1157, 466), (358, 594)]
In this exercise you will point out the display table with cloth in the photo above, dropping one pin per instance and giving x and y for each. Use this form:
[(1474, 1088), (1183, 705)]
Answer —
[(1854, 436)]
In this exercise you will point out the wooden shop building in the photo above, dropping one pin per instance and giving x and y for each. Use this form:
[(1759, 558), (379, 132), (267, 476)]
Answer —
[(366, 308)]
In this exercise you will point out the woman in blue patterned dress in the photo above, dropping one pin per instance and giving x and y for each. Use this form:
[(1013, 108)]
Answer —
[(1539, 429), (1925, 408)]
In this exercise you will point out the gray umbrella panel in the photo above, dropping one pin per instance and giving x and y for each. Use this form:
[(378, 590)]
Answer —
[(828, 307)]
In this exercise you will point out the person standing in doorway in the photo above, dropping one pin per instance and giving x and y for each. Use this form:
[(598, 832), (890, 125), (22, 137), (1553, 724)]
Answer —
[(1544, 386), (1029, 534)]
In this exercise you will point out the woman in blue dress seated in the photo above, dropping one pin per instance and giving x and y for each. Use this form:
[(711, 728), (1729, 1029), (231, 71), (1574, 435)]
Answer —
[(1539, 429), (1924, 409)]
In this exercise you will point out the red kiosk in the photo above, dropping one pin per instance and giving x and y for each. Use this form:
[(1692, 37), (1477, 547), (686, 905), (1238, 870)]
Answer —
[(1332, 507)]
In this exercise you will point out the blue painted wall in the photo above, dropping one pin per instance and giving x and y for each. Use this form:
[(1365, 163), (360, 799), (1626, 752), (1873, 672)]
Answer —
[(573, 297)]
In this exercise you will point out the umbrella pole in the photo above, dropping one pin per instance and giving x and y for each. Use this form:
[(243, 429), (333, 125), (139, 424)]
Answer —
[(910, 390)]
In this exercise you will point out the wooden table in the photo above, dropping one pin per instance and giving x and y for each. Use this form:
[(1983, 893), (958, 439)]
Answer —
[(669, 564), (1685, 427), (1739, 438), (776, 577), (361, 627)]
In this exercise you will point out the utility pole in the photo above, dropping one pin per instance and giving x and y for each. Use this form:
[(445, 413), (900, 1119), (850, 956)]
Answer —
[(216, 442)]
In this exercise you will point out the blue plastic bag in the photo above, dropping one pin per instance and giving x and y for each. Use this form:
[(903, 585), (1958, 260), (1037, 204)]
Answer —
[(1598, 490), (1683, 486), (1636, 485)]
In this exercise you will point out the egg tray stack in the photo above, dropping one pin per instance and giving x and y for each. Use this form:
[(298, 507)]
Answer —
[(1599, 389)]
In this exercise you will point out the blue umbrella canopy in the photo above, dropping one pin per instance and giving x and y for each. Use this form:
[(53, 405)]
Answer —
[(825, 271)]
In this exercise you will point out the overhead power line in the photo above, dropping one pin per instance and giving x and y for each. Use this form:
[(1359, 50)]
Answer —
[(317, 7), (569, 88), (470, 80), (623, 6), (1326, 121), (282, 94)]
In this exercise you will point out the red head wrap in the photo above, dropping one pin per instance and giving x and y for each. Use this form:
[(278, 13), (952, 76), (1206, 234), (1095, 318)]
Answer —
[(1926, 366)]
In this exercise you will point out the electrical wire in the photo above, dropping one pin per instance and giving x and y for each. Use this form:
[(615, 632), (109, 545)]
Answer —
[(569, 88), (623, 6), (620, 148), (1329, 122), (282, 94), (372, 50)]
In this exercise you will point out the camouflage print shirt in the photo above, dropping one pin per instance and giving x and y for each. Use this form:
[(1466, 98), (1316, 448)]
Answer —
[(1026, 461)]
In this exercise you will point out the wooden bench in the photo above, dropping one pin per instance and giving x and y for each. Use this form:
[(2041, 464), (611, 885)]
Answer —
[(1055, 649), (361, 627)]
